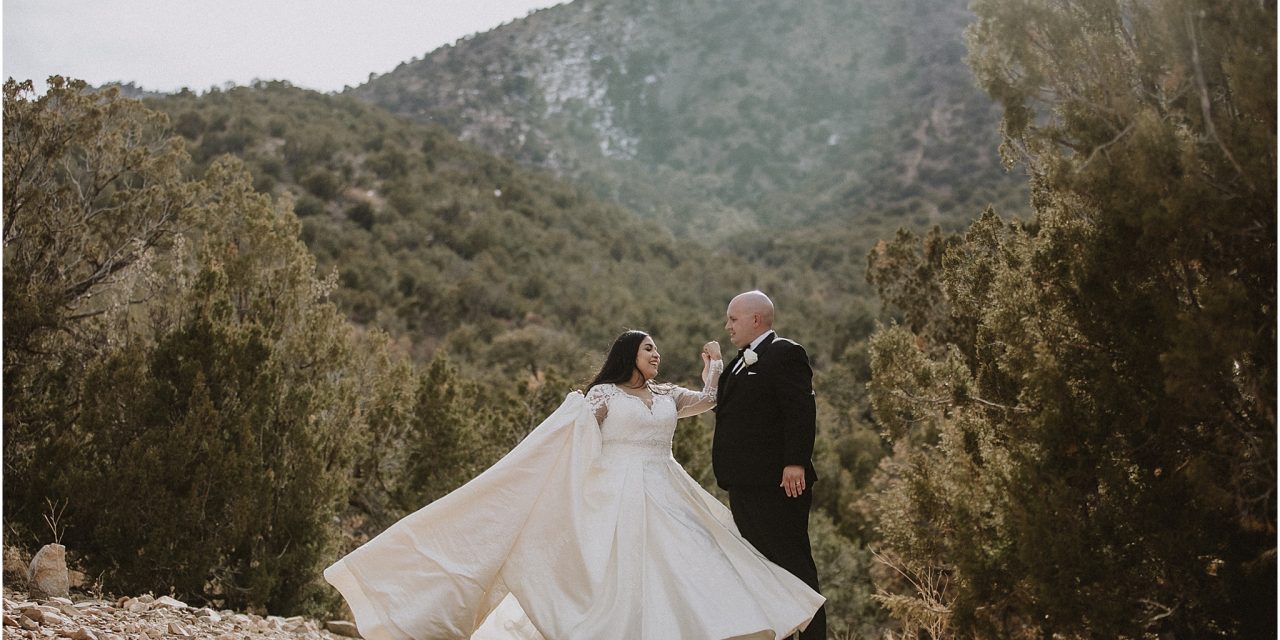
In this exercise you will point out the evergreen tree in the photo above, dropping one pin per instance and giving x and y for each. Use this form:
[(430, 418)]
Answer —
[(178, 378), (1096, 458)]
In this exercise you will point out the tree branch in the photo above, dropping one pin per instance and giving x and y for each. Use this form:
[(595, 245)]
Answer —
[(1205, 105)]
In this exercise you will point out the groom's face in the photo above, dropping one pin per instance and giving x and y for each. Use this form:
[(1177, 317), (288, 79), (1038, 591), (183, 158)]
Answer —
[(741, 325)]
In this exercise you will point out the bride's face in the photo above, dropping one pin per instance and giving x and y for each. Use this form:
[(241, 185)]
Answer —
[(647, 359)]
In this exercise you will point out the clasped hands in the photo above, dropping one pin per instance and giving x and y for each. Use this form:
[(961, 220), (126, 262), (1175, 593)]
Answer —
[(710, 351)]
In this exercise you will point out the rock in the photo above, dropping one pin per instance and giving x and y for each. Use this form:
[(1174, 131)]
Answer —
[(134, 605), (207, 614), (16, 564), (342, 628), (42, 613), (10, 621), (28, 624), (169, 603), (48, 575), (178, 630), (53, 619), (37, 612), (83, 634)]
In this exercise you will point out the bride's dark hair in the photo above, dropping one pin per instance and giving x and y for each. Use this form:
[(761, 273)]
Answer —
[(621, 361)]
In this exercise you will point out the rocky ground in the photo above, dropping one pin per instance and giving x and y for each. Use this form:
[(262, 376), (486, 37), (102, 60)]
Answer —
[(150, 618)]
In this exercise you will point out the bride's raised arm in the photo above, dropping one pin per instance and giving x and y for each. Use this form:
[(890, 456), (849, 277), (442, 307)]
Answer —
[(691, 403)]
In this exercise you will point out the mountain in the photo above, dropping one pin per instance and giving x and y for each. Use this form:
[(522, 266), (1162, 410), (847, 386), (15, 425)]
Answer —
[(718, 117), (445, 245)]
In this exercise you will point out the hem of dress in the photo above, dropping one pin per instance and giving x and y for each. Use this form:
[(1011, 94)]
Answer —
[(368, 618)]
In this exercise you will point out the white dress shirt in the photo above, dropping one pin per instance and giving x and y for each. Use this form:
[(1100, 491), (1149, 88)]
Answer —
[(754, 343)]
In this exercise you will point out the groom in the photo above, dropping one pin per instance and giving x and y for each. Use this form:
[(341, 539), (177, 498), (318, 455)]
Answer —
[(763, 441)]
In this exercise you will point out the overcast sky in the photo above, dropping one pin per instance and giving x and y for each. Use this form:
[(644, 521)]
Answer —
[(164, 45)]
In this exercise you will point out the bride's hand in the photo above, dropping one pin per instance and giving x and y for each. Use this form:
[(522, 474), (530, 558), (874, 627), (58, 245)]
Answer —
[(710, 351)]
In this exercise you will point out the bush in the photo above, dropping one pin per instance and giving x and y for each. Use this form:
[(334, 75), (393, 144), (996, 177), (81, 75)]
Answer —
[(199, 412), (323, 183)]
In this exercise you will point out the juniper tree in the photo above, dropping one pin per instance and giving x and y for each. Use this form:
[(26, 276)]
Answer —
[(176, 375), (1103, 460)]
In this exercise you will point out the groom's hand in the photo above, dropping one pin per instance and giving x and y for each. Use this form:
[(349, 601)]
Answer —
[(793, 480)]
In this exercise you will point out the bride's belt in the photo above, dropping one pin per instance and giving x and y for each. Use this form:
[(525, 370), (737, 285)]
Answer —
[(655, 447)]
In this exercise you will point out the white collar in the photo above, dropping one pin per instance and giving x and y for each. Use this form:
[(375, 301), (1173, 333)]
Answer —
[(760, 338)]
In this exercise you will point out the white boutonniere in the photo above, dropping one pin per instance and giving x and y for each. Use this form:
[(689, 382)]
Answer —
[(749, 358)]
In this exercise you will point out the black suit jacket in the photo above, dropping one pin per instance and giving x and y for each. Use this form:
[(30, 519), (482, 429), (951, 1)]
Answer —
[(765, 417)]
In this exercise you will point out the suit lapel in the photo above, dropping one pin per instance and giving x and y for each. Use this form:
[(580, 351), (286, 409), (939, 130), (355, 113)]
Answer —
[(729, 380), (764, 344), (726, 378)]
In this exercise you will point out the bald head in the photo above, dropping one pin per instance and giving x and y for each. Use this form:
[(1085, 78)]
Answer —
[(749, 315)]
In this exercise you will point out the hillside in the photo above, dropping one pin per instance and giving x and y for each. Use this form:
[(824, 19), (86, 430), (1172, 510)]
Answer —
[(716, 118), (443, 244)]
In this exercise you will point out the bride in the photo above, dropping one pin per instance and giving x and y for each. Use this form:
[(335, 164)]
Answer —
[(588, 529)]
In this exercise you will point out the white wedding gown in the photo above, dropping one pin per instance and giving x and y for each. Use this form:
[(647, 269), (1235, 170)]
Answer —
[(588, 529)]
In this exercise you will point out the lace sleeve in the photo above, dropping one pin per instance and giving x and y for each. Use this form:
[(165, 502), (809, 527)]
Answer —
[(691, 403), (598, 397)]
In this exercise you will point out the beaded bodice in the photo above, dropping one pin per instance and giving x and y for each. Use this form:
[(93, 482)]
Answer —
[(630, 424)]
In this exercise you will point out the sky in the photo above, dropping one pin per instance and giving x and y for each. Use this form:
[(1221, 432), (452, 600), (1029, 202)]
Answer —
[(164, 45)]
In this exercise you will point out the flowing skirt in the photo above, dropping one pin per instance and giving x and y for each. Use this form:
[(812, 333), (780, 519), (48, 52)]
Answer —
[(567, 538)]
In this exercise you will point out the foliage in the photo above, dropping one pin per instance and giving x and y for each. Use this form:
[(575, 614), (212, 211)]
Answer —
[(508, 269), (204, 385), (91, 191), (1082, 406), (91, 187)]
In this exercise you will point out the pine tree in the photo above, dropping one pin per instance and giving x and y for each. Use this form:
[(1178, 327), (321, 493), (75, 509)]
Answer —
[(178, 378), (1097, 457)]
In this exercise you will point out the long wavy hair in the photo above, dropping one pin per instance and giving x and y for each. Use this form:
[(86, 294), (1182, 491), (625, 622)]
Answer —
[(621, 361)]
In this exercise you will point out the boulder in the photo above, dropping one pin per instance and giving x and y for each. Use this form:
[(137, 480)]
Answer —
[(165, 602), (48, 577), (342, 628), (83, 634), (213, 617)]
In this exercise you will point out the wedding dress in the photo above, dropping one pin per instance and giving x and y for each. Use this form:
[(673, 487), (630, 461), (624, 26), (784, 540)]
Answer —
[(588, 529)]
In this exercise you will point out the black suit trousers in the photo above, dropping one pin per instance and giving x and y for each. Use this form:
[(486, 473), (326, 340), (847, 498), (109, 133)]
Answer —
[(778, 526)]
